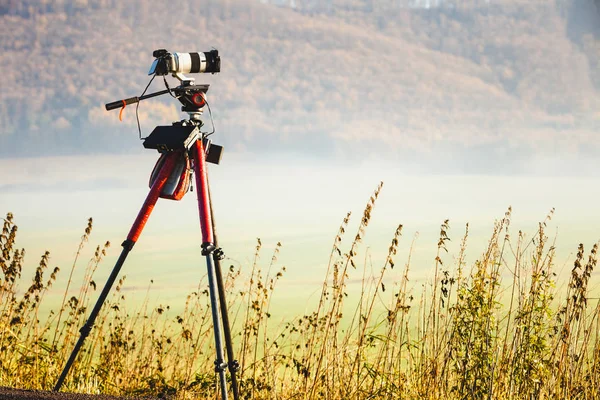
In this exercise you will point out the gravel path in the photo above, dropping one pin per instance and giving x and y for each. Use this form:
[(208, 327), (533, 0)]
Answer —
[(20, 394)]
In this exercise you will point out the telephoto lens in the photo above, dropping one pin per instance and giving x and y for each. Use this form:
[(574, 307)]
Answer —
[(208, 62)]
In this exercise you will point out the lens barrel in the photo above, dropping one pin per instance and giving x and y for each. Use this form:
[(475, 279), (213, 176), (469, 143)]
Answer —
[(207, 62)]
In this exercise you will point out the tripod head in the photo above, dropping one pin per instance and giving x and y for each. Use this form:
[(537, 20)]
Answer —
[(191, 96)]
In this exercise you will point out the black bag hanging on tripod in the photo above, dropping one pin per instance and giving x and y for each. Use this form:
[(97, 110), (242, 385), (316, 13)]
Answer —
[(179, 181)]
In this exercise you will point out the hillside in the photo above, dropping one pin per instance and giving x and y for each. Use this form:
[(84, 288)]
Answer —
[(495, 78)]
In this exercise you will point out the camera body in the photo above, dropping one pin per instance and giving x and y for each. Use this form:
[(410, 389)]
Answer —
[(183, 63)]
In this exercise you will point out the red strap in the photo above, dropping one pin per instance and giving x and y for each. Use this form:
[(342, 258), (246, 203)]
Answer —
[(121, 112)]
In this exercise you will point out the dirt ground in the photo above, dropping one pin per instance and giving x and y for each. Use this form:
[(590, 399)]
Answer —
[(19, 394)]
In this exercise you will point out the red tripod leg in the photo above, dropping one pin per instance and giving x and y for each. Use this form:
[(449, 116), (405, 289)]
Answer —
[(202, 187), (151, 199), (133, 236), (208, 249)]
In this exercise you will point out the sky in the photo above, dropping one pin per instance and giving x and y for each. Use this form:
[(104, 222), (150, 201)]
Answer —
[(285, 193)]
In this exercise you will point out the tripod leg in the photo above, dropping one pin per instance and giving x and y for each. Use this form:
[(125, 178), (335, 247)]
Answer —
[(208, 248), (232, 363), (128, 244)]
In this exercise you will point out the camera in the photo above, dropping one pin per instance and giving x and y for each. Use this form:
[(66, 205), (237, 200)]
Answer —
[(183, 63)]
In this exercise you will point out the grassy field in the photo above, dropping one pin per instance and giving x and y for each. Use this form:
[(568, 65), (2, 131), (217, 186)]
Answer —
[(499, 328)]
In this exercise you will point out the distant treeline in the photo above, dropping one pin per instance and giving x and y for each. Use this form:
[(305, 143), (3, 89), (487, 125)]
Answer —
[(314, 76)]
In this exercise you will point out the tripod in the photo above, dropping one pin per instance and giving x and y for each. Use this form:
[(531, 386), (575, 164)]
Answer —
[(184, 149)]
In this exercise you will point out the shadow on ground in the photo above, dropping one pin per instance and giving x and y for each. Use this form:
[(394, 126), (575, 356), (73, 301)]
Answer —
[(20, 394)]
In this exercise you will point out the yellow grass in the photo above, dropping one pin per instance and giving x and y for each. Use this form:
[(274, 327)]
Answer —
[(457, 341)]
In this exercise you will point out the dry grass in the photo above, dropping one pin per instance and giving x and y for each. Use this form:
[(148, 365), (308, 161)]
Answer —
[(496, 329)]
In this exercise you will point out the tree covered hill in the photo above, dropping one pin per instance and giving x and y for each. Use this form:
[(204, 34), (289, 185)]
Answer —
[(330, 77)]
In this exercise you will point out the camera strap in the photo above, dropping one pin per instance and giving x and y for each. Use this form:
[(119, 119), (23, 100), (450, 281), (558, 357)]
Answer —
[(121, 112)]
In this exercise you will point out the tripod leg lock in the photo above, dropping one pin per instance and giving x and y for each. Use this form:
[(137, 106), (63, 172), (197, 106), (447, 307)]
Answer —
[(234, 366), (219, 254), (208, 248), (85, 330), (220, 365), (128, 244)]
